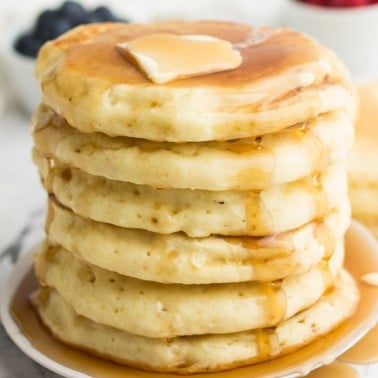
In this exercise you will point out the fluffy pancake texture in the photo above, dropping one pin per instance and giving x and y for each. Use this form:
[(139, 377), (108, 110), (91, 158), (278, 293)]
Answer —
[(198, 224), (197, 213), (205, 353), (246, 164), (284, 79), (362, 162), (156, 310), (177, 258)]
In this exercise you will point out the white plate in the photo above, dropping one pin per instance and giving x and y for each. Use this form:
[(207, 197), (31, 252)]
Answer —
[(19, 271), (323, 351)]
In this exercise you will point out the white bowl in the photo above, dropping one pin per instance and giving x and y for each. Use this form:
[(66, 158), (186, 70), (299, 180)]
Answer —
[(20, 74), (350, 32)]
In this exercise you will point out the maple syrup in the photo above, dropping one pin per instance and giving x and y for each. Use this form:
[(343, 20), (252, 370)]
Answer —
[(361, 255), (334, 370), (365, 351)]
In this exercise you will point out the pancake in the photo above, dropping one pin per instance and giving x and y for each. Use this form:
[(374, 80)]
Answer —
[(193, 354), (195, 212), (364, 200), (153, 309), (362, 162), (177, 258), (285, 78), (246, 164)]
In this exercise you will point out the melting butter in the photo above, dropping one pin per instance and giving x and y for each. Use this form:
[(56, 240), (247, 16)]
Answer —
[(167, 57)]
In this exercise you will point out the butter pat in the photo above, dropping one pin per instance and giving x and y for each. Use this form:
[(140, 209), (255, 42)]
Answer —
[(167, 57)]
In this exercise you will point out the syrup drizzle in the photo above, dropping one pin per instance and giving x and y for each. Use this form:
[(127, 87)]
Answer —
[(365, 351), (335, 370), (360, 258), (32, 328)]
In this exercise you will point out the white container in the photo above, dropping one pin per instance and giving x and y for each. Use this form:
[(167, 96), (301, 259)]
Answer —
[(19, 69), (351, 32)]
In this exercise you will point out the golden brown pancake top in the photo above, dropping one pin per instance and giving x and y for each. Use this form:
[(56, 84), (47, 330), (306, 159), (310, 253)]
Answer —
[(91, 51)]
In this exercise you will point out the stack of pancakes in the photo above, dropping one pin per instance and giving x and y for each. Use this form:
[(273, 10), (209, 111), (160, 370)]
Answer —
[(195, 225), (362, 162)]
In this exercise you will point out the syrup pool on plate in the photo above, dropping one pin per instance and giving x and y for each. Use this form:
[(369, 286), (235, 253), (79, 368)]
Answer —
[(361, 256)]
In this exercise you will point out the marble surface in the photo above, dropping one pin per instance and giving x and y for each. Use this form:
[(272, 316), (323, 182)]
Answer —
[(22, 200)]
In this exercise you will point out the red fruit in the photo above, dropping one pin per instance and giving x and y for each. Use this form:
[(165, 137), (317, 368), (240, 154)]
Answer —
[(315, 2), (347, 3)]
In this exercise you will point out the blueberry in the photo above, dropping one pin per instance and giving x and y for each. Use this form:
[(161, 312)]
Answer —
[(60, 26), (74, 12), (104, 14), (28, 45), (50, 25), (93, 18), (44, 22)]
